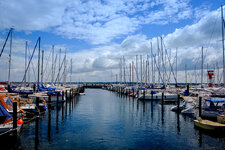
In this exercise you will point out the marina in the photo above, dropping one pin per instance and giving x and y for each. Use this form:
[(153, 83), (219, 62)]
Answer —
[(104, 119), (112, 75)]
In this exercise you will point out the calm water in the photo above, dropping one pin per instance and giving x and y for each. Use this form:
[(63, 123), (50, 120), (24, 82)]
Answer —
[(104, 120)]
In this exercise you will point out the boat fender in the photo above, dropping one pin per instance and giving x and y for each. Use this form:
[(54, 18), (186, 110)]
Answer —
[(20, 122)]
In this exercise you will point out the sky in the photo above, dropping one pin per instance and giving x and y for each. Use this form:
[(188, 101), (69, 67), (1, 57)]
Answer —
[(97, 34)]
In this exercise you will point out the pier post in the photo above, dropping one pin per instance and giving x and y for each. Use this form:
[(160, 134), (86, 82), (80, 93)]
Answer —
[(200, 106), (15, 118), (138, 93), (37, 105), (188, 90), (57, 100), (66, 95), (62, 96), (49, 98), (70, 95), (162, 113), (152, 94), (178, 103), (144, 94)]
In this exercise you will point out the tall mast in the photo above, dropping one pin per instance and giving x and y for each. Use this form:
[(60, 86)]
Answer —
[(137, 68), (146, 73), (52, 64), (25, 80), (195, 76), (71, 70), (202, 68), (158, 61), (176, 65), (59, 64), (141, 69), (39, 50), (132, 72), (223, 44), (42, 65), (153, 76), (124, 76), (186, 74), (64, 79), (163, 65), (10, 51)]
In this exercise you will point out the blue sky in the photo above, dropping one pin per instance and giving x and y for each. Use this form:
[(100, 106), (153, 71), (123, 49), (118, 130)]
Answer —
[(96, 34)]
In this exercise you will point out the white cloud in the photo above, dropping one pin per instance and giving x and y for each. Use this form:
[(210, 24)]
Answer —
[(97, 22)]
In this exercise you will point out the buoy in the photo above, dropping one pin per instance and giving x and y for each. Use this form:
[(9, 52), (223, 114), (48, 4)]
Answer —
[(20, 122)]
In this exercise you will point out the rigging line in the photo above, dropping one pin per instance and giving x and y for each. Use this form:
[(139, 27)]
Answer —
[(47, 62), (32, 65), (158, 68), (170, 69), (60, 69), (6, 41), (30, 60), (169, 62)]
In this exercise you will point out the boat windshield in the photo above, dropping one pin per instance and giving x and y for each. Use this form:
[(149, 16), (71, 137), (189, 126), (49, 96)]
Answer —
[(8, 101)]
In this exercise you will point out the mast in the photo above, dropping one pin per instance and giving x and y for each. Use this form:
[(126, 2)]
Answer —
[(146, 73), (64, 79), (59, 64), (163, 65), (195, 76), (25, 80), (223, 45), (141, 69), (42, 65), (186, 74), (39, 50), (124, 76), (158, 61), (52, 64), (132, 72), (71, 70), (202, 68), (176, 65), (153, 76), (10, 51), (137, 68)]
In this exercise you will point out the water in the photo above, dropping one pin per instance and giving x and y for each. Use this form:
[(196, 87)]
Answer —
[(104, 120)]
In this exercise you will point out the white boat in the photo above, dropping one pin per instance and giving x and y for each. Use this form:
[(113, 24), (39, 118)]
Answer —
[(175, 108), (158, 96), (188, 111)]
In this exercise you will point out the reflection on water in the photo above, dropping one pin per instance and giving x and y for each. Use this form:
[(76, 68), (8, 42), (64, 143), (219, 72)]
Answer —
[(106, 120)]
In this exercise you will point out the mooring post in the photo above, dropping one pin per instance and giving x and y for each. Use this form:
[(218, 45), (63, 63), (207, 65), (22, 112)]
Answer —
[(66, 95), (49, 98), (15, 118), (178, 102), (37, 105), (200, 106), (162, 98), (57, 99), (144, 94), (188, 90), (138, 93), (62, 96), (152, 94)]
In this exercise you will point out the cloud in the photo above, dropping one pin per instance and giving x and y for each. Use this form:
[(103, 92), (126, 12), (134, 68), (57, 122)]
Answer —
[(103, 61), (95, 21)]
